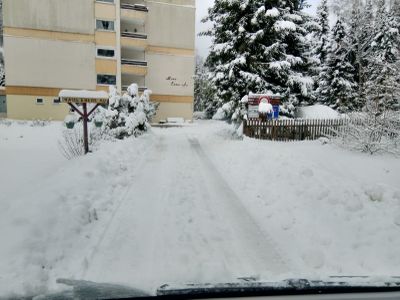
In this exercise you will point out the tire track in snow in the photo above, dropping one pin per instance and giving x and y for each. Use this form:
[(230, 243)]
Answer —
[(254, 236), (89, 258), (180, 223)]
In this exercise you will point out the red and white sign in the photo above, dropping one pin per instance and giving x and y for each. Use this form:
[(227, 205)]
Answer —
[(254, 102)]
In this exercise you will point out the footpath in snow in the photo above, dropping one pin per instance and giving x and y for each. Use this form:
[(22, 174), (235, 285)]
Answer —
[(191, 205)]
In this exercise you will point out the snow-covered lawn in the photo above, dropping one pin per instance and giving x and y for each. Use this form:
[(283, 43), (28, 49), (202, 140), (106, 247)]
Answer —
[(191, 204)]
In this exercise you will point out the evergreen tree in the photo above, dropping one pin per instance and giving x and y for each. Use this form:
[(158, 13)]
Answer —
[(341, 8), (2, 75), (204, 93), (357, 37), (259, 46), (365, 35), (383, 85), (341, 89), (321, 45), (322, 35)]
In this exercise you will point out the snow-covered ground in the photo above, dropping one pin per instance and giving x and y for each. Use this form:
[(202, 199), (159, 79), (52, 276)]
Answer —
[(191, 204)]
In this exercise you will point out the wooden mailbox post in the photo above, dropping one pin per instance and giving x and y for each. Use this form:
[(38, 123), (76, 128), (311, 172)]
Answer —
[(74, 98)]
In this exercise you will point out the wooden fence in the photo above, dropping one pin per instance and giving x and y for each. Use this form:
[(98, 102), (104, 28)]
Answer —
[(291, 129)]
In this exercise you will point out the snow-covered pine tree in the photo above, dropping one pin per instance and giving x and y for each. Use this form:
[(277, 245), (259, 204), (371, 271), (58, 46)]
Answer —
[(357, 36), (231, 53), (365, 34), (322, 35), (341, 87), (204, 93), (395, 9), (321, 43), (382, 72), (341, 8), (259, 46), (284, 62), (2, 75)]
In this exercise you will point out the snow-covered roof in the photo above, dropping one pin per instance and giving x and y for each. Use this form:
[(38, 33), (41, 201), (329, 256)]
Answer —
[(317, 111), (83, 94)]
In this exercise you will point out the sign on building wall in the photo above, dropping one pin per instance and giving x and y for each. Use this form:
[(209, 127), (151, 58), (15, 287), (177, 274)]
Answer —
[(173, 74), (176, 82)]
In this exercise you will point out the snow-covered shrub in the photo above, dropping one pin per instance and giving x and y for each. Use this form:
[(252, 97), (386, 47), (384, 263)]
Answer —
[(224, 112), (127, 115), (39, 123), (5, 122), (71, 144), (71, 118), (199, 115), (371, 132)]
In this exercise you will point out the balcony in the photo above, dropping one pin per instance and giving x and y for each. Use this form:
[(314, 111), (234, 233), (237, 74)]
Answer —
[(134, 12), (141, 88), (138, 7), (135, 41), (134, 67)]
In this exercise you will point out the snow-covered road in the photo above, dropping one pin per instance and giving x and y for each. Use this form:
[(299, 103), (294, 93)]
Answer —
[(191, 205), (179, 221)]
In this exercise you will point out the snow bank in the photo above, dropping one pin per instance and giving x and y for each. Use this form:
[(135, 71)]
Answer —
[(317, 112), (329, 211), (50, 207)]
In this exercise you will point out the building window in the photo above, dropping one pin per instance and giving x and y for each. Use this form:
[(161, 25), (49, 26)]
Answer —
[(106, 79), (56, 101), (108, 53), (105, 25), (39, 101), (107, 1)]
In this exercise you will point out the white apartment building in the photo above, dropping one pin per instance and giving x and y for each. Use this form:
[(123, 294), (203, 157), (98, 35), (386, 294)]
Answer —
[(51, 45)]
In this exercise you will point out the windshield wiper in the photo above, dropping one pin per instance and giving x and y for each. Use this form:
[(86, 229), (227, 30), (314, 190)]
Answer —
[(335, 285), (246, 287)]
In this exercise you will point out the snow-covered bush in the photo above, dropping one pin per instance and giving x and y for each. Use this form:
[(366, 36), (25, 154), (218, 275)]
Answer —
[(71, 144), (199, 115), (39, 123), (71, 118), (127, 115), (225, 111), (5, 122), (371, 132)]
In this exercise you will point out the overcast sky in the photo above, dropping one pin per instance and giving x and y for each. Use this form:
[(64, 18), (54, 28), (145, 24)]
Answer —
[(202, 43)]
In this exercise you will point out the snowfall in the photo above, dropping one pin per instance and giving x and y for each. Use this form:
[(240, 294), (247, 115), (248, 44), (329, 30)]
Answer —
[(191, 205)]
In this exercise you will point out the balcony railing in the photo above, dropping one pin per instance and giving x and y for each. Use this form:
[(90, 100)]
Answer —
[(132, 62), (134, 35), (141, 88), (139, 7)]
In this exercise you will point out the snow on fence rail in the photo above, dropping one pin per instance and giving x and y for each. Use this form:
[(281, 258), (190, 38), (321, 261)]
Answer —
[(292, 129)]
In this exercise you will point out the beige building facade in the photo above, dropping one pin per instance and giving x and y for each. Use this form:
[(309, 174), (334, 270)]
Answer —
[(51, 45)]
